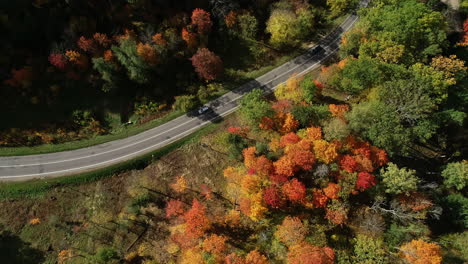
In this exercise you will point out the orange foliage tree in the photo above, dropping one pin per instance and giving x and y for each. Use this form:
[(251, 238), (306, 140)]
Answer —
[(196, 220), (291, 231), (325, 152), (338, 110), (421, 252), (305, 253), (255, 257), (215, 244)]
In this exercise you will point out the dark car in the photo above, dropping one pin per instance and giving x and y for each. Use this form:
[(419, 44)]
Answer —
[(316, 50)]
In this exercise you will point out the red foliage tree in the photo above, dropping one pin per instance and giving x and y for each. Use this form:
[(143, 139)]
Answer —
[(364, 181), (278, 178), (348, 163), (174, 208), (305, 253), (102, 39), (273, 197), (207, 64), (241, 131), (294, 190), (319, 199), (202, 20), (58, 60), (289, 138), (196, 220), (282, 106), (86, 45)]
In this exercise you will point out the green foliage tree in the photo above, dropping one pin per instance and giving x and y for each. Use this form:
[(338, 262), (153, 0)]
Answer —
[(109, 73), (282, 25), (397, 233), (379, 123), (248, 26), (106, 256), (409, 98), (454, 214), (254, 106), (369, 250), (360, 74), (456, 175), (126, 53), (309, 89), (336, 128), (338, 6), (407, 30), (397, 181), (185, 102)]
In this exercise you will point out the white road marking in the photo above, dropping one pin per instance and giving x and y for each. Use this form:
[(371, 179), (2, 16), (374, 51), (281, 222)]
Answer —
[(182, 124), (173, 138)]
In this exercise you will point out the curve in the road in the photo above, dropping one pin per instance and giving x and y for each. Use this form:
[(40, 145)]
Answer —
[(99, 156)]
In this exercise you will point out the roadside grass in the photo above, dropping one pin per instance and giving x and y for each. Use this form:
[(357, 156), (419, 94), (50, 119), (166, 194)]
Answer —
[(120, 131), (38, 187)]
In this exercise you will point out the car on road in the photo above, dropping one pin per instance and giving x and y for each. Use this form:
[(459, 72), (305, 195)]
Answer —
[(203, 109), (316, 50)]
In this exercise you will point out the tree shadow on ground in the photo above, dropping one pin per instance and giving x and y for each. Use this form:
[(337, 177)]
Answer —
[(15, 251)]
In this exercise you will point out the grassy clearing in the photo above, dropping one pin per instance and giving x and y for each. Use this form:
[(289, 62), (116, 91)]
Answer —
[(38, 187)]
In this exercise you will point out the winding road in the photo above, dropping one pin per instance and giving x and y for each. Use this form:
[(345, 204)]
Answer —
[(19, 168)]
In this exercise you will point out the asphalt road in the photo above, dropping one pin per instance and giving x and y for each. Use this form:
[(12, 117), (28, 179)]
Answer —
[(20, 168)]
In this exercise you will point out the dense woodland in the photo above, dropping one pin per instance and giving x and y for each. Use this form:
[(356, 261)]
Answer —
[(378, 176), (71, 66)]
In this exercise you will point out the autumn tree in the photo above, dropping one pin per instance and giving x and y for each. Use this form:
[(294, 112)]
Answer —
[(202, 20), (86, 45), (255, 257), (190, 38), (421, 252), (305, 253), (180, 185), (291, 231), (290, 90), (324, 151), (294, 190), (215, 244), (196, 220), (174, 208), (364, 181), (273, 197), (207, 64), (58, 60)]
